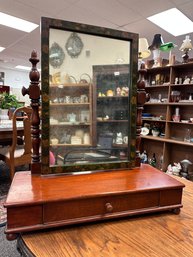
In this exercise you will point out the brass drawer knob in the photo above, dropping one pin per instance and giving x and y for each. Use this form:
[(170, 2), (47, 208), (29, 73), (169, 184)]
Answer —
[(109, 207)]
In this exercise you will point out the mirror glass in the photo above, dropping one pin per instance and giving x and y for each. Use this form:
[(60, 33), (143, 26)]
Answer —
[(89, 110)]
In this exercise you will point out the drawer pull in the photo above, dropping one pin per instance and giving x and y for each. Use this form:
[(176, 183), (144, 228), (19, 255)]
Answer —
[(109, 207)]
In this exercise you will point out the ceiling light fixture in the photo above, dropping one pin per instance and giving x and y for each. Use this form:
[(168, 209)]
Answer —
[(17, 23), (2, 48), (173, 21), (22, 67)]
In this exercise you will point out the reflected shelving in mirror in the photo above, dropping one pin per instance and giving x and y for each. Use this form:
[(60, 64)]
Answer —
[(87, 109)]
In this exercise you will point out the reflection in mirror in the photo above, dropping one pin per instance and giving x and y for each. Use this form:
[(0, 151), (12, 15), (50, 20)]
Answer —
[(89, 96)]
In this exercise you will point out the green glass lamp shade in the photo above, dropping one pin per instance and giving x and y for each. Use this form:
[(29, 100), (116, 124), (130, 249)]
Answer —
[(166, 47)]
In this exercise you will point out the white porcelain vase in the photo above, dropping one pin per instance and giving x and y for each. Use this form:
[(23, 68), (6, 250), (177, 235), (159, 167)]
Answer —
[(155, 133)]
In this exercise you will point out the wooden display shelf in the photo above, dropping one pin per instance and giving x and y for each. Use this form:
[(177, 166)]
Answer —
[(158, 103), (181, 103), (184, 123), (77, 123), (113, 96), (180, 85), (156, 86), (79, 145), (69, 104), (170, 149), (153, 120), (103, 121), (70, 85), (163, 139), (157, 138), (39, 202)]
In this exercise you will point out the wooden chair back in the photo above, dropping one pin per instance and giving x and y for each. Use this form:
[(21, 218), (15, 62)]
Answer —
[(26, 119), (17, 155)]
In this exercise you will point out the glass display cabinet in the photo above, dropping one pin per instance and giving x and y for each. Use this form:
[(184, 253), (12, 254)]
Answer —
[(90, 127)]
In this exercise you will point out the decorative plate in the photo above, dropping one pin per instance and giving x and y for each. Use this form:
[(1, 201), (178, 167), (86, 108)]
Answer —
[(144, 131), (74, 45), (56, 55)]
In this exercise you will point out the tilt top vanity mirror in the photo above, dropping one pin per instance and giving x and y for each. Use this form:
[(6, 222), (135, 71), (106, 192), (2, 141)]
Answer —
[(89, 77), (91, 110)]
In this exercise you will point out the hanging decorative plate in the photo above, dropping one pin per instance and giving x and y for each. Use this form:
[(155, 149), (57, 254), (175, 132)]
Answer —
[(56, 55), (74, 45)]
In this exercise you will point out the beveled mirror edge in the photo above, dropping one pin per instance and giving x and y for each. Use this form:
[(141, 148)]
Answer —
[(46, 24)]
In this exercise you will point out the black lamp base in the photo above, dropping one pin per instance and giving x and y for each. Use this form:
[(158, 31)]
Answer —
[(185, 57)]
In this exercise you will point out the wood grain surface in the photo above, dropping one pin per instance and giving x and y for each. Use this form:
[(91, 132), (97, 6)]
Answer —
[(157, 235), (39, 189)]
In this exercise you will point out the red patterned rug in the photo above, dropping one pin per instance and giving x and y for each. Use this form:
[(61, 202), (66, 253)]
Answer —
[(3, 213)]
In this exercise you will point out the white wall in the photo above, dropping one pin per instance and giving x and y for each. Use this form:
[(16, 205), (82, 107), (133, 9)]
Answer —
[(102, 51), (16, 80)]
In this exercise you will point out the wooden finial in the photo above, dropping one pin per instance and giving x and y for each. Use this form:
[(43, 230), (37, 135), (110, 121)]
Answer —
[(34, 94)]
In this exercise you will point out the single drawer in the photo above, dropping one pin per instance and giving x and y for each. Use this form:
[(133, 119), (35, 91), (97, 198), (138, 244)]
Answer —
[(88, 207)]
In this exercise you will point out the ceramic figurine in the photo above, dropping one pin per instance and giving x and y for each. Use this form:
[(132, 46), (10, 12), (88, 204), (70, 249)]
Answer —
[(71, 117), (118, 91), (185, 168), (119, 138)]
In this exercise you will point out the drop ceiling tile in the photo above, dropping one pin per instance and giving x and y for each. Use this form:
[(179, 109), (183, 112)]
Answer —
[(22, 11), (187, 8), (110, 10), (179, 2), (10, 36), (80, 14), (50, 7), (148, 7)]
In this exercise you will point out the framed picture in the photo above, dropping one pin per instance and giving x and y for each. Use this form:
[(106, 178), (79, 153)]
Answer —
[(2, 78)]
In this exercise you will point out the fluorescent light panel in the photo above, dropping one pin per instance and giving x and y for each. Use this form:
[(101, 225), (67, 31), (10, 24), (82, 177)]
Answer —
[(23, 67), (173, 21), (1, 48), (16, 23)]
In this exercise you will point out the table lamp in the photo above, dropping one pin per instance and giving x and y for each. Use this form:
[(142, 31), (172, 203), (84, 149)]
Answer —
[(186, 47), (167, 47), (155, 48), (143, 51)]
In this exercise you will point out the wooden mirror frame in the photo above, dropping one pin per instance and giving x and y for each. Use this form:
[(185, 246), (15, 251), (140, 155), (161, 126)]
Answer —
[(46, 25)]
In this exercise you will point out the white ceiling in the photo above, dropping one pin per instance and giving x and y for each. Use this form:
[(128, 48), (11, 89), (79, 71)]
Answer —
[(129, 15)]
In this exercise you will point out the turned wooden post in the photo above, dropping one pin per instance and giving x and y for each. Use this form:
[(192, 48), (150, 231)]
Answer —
[(34, 94), (141, 99)]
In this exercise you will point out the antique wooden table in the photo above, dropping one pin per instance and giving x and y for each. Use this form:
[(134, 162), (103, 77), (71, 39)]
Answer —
[(159, 235), (6, 134)]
